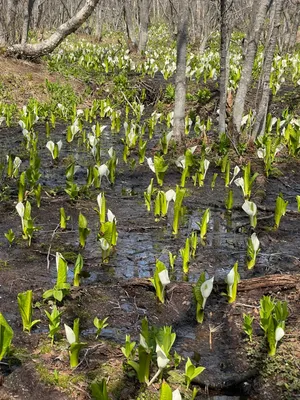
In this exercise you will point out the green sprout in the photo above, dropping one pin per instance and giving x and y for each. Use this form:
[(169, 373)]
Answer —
[(54, 322), (10, 236), (100, 324), (247, 325), (74, 342), (191, 372), (6, 336), (232, 280), (160, 280), (25, 308), (202, 291), (84, 231), (280, 210), (185, 255), (252, 250)]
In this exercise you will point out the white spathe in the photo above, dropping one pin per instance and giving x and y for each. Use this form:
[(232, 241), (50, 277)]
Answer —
[(164, 277), (103, 170), (250, 208), (151, 164), (255, 242), (70, 334), (235, 173), (230, 277), (111, 216), (104, 244), (176, 395), (206, 289), (279, 333), (20, 209), (162, 359), (170, 195)]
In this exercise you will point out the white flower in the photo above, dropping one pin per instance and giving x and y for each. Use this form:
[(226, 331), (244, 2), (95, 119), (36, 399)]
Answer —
[(230, 277), (70, 334), (279, 333), (250, 208), (206, 289), (235, 172), (100, 199), (255, 242), (110, 216), (162, 359), (103, 170), (164, 277), (17, 163), (261, 153), (111, 152), (20, 209), (170, 195), (104, 244), (180, 162), (176, 395), (150, 164), (59, 145), (240, 182)]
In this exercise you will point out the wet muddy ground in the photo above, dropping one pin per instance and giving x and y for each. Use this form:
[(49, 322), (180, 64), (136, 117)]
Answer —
[(120, 289)]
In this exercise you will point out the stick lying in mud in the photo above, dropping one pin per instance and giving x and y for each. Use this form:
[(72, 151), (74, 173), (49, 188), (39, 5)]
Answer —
[(49, 249)]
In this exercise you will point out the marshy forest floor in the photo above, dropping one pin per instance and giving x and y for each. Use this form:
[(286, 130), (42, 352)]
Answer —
[(120, 289)]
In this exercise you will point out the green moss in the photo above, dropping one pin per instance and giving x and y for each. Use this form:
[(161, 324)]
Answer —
[(58, 378)]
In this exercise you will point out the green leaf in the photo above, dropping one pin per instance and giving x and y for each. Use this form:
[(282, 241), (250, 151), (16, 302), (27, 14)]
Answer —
[(165, 392), (25, 307), (99, 390), (6, 335)]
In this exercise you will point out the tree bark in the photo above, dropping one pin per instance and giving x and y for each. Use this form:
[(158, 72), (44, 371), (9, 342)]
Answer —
[(130, 26), (11, 21), (28, 6), (144, 23), (98, 29), (180, 79), (224, 64), (47, 46), (259, 125), (258, 19)]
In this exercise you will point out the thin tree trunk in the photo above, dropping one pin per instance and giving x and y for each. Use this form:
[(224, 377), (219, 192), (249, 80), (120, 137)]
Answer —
[(224, 64), (130, 26), (28, 6), (144, 23), (98, 30), (266, 71), (180, 79), (258, 20), (48, 45)]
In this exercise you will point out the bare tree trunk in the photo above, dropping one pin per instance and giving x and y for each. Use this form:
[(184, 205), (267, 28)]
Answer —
[(130, 25), (11, 21), (259, 11), (224, 63), (144, 23), (98, 30), (48, 45), (28, 6), (266, 71), (180, 79)]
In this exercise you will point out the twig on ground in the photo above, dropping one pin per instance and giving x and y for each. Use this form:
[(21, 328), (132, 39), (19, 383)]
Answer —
[(49, 249)]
